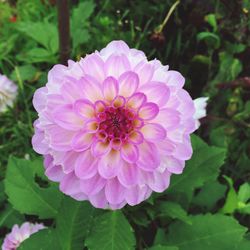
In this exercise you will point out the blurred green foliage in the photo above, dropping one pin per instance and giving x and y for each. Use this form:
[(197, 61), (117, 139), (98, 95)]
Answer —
[(208, 206)]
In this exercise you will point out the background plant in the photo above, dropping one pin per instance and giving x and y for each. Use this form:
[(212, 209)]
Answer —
[(207, 207)]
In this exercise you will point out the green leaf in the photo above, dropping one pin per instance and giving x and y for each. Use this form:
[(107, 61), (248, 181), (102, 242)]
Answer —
[(210, 38), (111, 231), (229, 69), (36, 55), (231, 202), (211, 19), (43, 240), (210, 193), (244, 192), (25, 194), (203, 167), (218, 136), (44, 33), (9, 217), (73, 223), (161, 247), (80, 14), (172, 210), (27, 72), (206, 232)]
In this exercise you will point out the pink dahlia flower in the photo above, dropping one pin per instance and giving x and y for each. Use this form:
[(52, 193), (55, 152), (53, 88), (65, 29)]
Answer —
[(114, 126), (8, 93), (18, 234)]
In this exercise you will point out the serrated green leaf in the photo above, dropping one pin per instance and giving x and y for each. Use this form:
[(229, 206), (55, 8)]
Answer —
[(80, 14), (9, 217), (44, 33), (207, 232), (172, 210), (203, 167), (209, 194), (43, 240), (73, 222), (25, 194), (111, 231)]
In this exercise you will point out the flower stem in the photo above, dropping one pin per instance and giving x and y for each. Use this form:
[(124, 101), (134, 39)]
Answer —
[(21, 87), (168, 15)]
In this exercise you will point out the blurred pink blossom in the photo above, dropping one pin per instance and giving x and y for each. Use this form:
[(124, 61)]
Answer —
[(18, 234), (8, 93)]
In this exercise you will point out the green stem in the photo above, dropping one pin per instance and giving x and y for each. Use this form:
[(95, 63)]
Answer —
[(168, 15), (21, 87)]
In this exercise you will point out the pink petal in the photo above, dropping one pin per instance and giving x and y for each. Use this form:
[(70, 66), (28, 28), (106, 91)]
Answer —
[(70, 184), (156, 92), (86, 165), (115, 47), (54, 173), (135, 137), (68, 161), (84, 108), (116, 65), (110, 88), (153, 132), (93, 65), (99, 200), (159, 181), (91, 126), (60, 139), (114, 191), (100, 148), (145, 72), (186, 106), (119, 102), (135, 195), (183, 151), (100, 106), (93, 185), (136, 100), (117, 206), (166, 147), (72, 89), (169, 118), (128, 174), (92, 89), (129, 152), (82, 141), (128, 82), (109, 164), (149, 158), (66, 117), (173, 165), (39, 99), (79, 196), (174, 78), (149, 111), (38, 142)]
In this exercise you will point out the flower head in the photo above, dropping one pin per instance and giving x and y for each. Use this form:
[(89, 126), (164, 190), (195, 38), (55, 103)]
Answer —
[(114, 126), (8, 93), (18, 234)]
